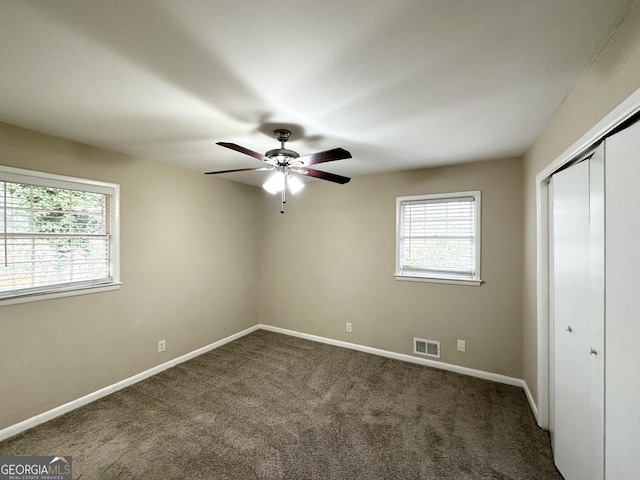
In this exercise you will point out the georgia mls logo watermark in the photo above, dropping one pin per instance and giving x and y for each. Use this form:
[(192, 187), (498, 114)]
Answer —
[(35, 468)]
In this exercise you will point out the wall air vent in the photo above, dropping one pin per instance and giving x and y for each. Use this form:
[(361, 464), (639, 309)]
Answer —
[(429, 348)]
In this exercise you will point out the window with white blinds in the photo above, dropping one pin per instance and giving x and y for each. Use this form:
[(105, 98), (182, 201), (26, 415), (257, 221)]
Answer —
[(438, 237), (56, 234)]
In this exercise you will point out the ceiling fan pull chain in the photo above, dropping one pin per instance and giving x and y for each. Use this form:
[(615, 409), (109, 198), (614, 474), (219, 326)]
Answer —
[(284, 195)]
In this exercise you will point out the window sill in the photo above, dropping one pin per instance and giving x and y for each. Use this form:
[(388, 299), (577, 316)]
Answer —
[(71, 292), (448, 281)]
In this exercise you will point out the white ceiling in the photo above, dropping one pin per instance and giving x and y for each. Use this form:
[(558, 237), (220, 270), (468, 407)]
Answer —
[(401, 84)]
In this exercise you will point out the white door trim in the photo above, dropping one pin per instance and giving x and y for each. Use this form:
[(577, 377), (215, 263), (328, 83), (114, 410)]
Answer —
[(629, 107)]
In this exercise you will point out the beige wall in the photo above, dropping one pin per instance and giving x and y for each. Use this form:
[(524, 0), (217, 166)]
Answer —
[(612, 77), (330, 260), (189, 266)]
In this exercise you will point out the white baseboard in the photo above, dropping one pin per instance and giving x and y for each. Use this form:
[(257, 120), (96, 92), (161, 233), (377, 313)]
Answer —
[(401, 356), (91, 397), (67, 407), (532, 402)]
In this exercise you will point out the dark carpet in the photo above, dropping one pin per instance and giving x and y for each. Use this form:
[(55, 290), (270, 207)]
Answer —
[(270, 406)]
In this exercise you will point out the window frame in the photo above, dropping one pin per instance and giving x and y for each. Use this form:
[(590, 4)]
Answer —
[(476, 280), (112, 190)]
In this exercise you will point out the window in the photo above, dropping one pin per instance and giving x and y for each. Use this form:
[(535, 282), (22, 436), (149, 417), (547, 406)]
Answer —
[(438, 238), (58, 236)]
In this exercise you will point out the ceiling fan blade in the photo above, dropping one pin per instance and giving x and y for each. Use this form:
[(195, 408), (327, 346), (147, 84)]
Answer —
[(236, 170), (332, 177), (246, 151), (326, 156)]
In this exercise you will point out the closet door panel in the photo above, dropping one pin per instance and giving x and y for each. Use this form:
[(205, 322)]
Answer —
[(622, 381), (571, 431), (596, 311)]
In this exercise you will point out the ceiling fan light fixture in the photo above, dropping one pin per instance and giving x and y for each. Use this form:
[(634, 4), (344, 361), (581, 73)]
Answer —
[(275, 183), (295, 184)]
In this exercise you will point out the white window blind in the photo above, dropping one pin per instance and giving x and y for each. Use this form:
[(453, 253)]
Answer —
[(438, 236), (53, 238)]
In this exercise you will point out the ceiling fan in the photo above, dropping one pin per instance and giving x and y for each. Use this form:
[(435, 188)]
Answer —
[(285, 163)]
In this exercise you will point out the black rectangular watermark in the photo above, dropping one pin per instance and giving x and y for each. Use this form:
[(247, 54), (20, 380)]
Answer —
[(35, 468)]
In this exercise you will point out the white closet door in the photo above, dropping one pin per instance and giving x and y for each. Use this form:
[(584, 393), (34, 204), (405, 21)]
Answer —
[(577, 429), (623, 305)]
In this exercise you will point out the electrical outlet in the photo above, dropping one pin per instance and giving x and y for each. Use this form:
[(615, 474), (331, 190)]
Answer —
[(348, 326), (162, 345), (462, 346)]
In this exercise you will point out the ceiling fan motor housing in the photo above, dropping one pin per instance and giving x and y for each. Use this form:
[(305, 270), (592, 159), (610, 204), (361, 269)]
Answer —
[(281, 155)]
